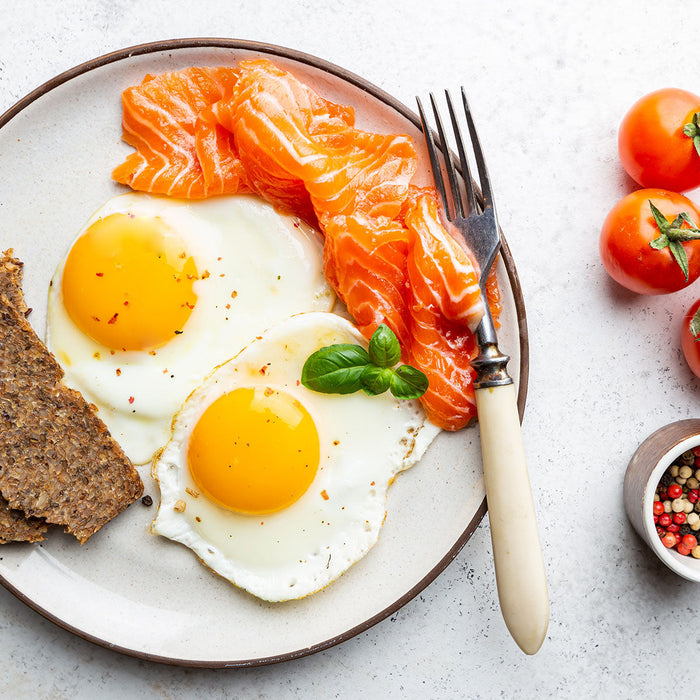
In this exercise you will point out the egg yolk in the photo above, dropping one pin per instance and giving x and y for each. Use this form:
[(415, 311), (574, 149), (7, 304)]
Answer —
[(254, 451), (127, 282)]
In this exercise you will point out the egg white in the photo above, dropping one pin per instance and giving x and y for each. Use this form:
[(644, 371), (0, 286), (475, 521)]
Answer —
[(262, 265), (364, 442)]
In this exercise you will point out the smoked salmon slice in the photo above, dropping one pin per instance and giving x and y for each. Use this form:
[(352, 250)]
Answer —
[(303, 152), (181, 150), (365, 262), (438, 263), (388, 253), (445, 306)]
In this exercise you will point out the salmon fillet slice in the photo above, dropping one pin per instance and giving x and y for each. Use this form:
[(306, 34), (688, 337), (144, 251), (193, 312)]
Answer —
[(181, 150), (303, 152), (440, 265), (365, 263)]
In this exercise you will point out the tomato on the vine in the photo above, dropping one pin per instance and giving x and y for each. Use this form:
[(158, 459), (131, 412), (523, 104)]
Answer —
[(690, 338), (659, 140), (649, 242)]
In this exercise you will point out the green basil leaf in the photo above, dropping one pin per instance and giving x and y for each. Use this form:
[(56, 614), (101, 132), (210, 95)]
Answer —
[(335, 369), (408, 382), (376, 380), (384, 348)]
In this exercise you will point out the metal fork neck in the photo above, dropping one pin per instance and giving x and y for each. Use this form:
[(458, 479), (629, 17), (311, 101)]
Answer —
[(490, 363)]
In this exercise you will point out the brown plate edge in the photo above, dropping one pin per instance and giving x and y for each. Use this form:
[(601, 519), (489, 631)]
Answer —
[(201, 42)]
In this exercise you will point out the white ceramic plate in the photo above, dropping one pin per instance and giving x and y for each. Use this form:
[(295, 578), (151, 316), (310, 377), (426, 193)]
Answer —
[(140, 594)]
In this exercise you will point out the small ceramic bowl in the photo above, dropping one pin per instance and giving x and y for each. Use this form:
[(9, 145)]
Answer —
[(646, 467)]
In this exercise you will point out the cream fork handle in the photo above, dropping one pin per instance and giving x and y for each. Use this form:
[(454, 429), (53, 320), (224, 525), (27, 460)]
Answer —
[(520, 574)]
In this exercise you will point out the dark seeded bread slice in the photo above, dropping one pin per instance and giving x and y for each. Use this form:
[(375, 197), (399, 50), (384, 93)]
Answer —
[(15, 526), (58, 461)]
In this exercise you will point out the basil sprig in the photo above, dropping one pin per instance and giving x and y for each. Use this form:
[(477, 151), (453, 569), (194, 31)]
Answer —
[(344, 368)]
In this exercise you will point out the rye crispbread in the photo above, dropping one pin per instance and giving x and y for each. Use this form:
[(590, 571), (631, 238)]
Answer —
[(58, 461)]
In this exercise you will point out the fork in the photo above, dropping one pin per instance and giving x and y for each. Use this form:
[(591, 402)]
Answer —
[(519, 565)]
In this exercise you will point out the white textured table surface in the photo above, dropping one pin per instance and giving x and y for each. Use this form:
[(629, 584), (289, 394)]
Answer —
[(548, 83)]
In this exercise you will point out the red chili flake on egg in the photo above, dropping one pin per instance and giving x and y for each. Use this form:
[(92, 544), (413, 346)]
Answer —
[(152, 352), (112, 320), (131, 399), (119, 372), (228, 306), (263, 369), (268, 391), (324, 495), (205, 274), (94, 318), (126, 303), (100, 274), (234, 294)]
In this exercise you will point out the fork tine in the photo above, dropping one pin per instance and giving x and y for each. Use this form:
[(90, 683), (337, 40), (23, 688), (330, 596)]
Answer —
[(463, 160), (449, 165), (478, 156), (432, 153)]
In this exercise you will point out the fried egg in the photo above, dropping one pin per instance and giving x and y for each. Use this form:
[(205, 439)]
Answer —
[(277, 488), (155, 292)]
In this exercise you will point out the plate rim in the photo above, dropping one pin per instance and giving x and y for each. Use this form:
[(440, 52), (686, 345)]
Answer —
[(509, 263)]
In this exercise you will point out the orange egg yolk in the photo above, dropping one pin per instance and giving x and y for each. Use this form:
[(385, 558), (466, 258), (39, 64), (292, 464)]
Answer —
[(127, 283), (254, 451)]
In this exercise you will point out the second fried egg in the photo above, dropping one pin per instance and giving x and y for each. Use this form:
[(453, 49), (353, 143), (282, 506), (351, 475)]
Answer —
[(277, 488)]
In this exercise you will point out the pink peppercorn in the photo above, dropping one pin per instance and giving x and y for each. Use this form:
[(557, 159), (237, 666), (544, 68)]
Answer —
[(675, 490), (689, 541), (669, 540), (679, 518)]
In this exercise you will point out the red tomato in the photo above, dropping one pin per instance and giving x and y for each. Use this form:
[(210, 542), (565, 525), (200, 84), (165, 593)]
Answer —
[(627, 232), (653, 148), (689, 343)]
